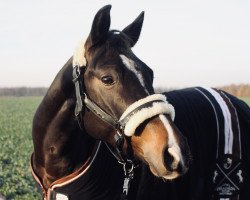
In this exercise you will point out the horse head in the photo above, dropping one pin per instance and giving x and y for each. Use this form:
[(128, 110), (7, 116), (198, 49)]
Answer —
[(120, 86)]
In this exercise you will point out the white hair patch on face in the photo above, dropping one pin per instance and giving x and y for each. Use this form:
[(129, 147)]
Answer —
[(171, 138), (79, 55), (130, 64), (174, 148)]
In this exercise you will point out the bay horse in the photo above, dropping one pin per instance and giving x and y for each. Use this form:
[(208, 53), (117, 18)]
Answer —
[(82, 150), (101, 122)]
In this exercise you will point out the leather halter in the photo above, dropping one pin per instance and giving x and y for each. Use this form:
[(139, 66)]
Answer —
[(150, 102), (81, 97), (119, 125)]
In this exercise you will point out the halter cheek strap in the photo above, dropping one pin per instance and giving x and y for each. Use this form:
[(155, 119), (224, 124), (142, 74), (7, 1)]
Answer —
[(78, 89)]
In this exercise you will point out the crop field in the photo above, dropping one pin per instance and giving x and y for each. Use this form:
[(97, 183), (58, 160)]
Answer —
[(16, 115)]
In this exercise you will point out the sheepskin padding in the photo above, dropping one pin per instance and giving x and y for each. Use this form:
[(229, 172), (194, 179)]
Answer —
[(79, 55), (157, 108)]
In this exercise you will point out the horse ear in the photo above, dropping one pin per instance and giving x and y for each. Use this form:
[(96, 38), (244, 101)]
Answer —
[(101, 24), (134, 29)]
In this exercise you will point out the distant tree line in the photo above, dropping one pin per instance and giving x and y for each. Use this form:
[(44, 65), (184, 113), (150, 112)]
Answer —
[(23, 91), (240, 90)]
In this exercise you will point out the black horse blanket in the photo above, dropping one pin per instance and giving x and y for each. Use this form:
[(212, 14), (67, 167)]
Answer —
[(217, 126)]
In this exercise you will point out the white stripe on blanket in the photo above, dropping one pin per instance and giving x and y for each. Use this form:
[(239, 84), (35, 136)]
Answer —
[(228, 149)]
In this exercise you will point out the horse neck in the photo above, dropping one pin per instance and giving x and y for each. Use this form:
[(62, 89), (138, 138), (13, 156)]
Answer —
[(60, 146)]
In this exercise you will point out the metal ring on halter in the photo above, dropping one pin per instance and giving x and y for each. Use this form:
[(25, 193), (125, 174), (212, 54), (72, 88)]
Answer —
[(128, 168)]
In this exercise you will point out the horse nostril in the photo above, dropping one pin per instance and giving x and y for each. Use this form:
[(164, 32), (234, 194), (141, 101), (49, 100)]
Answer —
[(168, 159)]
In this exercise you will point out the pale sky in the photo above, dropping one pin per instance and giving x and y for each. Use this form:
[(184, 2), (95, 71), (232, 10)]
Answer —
[(185, 42)]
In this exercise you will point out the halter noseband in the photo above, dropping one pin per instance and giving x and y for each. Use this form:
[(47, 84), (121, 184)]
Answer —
[(133, 116)]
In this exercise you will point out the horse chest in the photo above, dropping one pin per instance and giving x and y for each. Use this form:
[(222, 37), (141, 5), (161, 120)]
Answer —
[(101, 179)]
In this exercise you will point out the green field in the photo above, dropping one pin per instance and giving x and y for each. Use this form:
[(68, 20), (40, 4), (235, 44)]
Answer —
[(16, 115)]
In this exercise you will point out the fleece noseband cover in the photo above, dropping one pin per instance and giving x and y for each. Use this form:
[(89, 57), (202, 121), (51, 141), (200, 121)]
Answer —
[(149, 106)]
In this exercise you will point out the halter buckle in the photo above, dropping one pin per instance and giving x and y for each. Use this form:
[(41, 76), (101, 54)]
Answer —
[(119, 139)]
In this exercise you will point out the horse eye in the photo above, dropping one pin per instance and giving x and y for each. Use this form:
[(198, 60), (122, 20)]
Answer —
[(107, 80)]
